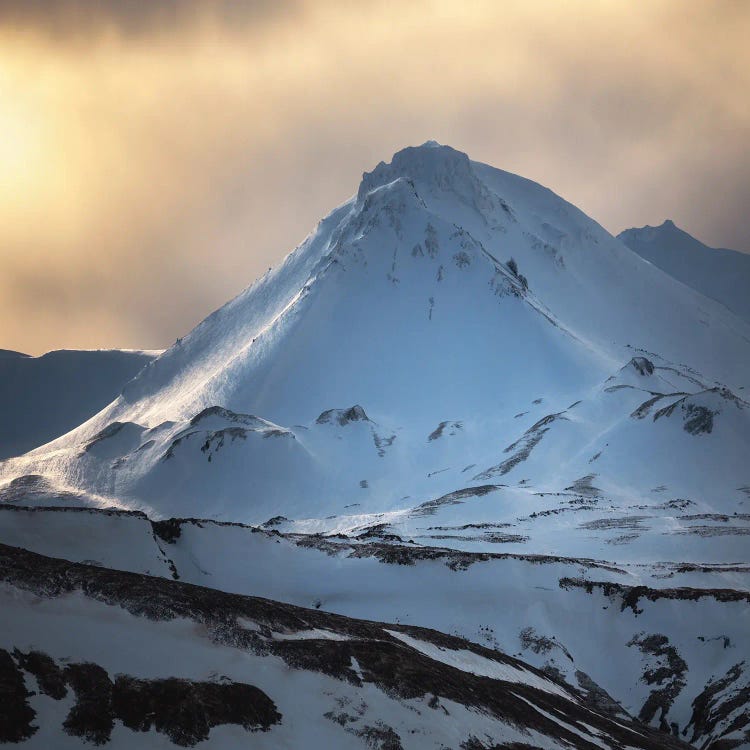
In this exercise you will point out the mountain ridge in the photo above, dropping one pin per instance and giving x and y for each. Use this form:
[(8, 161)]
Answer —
[(442, 288), (61, 389), (718, 273), (459, 403)]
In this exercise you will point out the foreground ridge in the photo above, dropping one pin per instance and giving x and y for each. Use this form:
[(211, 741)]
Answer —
[(428, 669)]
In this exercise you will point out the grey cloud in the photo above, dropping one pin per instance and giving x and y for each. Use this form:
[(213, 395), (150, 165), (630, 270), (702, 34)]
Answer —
[(75, 18)]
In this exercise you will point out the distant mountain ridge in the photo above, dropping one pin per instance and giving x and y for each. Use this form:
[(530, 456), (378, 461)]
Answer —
[(718, 273), (44, 397)]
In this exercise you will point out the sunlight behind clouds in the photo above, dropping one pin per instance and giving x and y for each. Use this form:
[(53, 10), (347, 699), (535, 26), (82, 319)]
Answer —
[(156, 161)]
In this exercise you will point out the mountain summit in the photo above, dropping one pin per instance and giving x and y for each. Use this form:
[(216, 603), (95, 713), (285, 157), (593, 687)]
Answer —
[(433, 166), (723, 275), (445, 291), (459, 404)]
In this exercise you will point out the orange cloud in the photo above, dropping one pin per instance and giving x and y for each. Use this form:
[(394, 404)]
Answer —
[(156, 160)]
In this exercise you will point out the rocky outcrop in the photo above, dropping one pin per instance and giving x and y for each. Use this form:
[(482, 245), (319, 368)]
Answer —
[(404, 662)]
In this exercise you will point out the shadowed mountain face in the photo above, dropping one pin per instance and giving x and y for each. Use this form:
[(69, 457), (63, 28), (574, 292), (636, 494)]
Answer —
[(459, 404), (722, 275), (44, 397)]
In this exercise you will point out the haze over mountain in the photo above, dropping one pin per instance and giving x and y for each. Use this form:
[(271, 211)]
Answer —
[(457, 373), (723, 275)]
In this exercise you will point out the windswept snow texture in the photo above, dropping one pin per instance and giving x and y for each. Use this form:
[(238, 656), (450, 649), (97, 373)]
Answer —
[(460, 404), (723, 275), (445, 292), (44, 397)]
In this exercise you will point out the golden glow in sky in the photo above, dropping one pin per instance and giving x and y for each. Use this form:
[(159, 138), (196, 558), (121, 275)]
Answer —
[(156, 157)]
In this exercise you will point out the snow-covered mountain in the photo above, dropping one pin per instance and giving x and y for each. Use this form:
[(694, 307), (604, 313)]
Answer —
[(444, 292), (460, 404), (195, 666), (44, 397), (723, 275)]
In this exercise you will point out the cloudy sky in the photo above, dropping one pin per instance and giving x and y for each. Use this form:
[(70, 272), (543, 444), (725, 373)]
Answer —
[(157, 156)]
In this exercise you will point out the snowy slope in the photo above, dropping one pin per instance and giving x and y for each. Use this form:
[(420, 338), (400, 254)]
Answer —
[(693, 620), (405, 303), (459, 404), (44, 397), (723, 275), (196, 667)]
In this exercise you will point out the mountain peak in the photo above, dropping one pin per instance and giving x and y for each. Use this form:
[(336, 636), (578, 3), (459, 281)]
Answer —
[(718, 273), (430, 165)]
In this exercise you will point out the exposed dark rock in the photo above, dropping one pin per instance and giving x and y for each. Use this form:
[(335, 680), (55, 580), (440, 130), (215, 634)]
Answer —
[(490, 538), (186, 710), (214, 441), (398, 554), (642, 365), (714, 531), (275, 521), (471, 526), (698, 419), (726, 640), (438, 431), (716, 703), (91, 717), (540, 644), (643, 410), (16, 714), (722, 517), (49, 676), (676, 504), (341, 718), (343, 416), (378, 531), (454, 498), (626, 523), (380, 737), (667, 670), (630, 595), (709, 568), (584, 486), (77, 509), (597, 696), (475, 744), (397, 669), (168, 530), (622, 539), (522, 447), (226, 414), (556, 511)]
